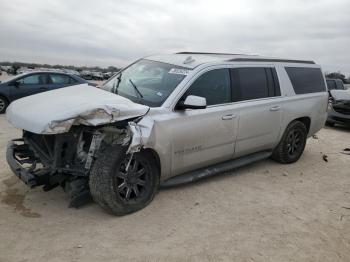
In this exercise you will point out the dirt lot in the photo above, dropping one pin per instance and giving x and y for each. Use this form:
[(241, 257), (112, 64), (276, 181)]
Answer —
[(262, 212)]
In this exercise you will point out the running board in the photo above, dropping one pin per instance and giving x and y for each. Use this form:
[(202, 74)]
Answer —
[(214, 169)]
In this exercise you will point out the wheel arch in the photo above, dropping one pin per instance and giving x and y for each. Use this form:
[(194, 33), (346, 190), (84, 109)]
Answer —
[(5, 97), (7, 102), (305, 120), (156, 157)]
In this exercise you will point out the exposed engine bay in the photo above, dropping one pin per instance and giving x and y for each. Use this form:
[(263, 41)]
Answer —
[(65, 159)]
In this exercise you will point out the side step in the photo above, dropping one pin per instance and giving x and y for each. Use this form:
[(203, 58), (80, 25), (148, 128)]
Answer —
[(214, 169)]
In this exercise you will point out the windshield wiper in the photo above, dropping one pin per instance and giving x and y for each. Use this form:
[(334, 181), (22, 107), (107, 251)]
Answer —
[(117, 84), (135, 87)]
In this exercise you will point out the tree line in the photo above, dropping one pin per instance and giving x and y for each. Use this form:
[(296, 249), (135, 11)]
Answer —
[(338, 75)]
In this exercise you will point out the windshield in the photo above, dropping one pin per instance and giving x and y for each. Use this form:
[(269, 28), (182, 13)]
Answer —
[(147, 82)]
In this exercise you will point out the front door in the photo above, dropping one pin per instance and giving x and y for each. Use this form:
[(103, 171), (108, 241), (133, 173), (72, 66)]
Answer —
[(201, 137), (29, 85)]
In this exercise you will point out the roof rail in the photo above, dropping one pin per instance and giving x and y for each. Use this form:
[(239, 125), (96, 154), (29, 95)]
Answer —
[(270, 60), (203, 53)]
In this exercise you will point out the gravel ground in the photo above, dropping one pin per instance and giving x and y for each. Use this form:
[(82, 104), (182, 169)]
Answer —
[(262, 212)]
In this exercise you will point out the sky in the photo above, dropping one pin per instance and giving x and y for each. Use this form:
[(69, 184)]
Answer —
[(115, 32)]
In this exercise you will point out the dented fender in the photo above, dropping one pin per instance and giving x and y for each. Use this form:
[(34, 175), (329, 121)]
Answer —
[(142, 134)]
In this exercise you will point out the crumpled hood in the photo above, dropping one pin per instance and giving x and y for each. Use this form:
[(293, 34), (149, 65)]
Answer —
[(340, 94), (56, 111)]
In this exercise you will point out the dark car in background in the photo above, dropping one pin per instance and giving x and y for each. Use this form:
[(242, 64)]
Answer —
[(339, 107), (31, 83)]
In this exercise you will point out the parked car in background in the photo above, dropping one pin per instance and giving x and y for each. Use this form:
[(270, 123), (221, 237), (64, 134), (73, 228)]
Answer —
[(10, 70), (87, 75), (335, 84), (30, 83), (167, 119), (71, 72), (22, 70), (339, 107), (97, 75), (107, 75)]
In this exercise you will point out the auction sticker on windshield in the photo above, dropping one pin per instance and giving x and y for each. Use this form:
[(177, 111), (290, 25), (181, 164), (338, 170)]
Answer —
[(179, 71)]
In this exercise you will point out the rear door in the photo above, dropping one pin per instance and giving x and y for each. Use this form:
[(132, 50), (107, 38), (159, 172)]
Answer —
[(29, 85), (257, 91)]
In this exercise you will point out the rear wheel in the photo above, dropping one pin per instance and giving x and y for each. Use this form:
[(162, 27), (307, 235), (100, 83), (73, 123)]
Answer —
[(3, 104), (122, 184), (292, 143)]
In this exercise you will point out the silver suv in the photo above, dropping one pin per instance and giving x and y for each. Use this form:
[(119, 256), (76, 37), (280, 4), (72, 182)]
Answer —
[(166, 120)]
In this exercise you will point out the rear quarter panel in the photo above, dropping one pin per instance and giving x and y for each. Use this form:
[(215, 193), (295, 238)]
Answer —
[(312, 105)]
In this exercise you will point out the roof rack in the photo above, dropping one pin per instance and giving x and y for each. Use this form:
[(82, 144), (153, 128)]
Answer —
[(271, 60), (203, 53)]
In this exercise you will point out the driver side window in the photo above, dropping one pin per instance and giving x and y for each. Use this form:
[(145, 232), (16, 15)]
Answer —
[(213, 85)]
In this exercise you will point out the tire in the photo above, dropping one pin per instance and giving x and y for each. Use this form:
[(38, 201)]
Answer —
[(120, 192), (3, 104), (292, 144)]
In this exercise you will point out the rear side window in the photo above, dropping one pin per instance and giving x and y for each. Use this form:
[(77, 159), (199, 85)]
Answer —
[(214, 86), (306, 80), (60, 79), (254, 83)]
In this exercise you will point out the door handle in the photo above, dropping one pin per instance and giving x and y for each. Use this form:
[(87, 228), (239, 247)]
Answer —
[(228, 117), (275, 108)]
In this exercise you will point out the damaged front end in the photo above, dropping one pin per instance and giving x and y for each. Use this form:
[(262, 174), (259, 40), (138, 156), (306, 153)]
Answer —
[(62, 137), (339, 107), (66, 159)]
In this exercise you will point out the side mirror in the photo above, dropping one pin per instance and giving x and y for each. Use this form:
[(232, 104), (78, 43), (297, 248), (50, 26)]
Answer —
[(194, 102)]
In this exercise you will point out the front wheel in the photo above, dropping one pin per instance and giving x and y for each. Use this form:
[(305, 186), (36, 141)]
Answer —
[(292, 143), (122, 184)]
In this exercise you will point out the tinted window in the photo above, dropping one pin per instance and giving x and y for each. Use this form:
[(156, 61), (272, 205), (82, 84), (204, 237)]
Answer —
[(340, 84), (60, 79), (35, 79), (214, 86), (306, 80), (331, 85), (251, 83)]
